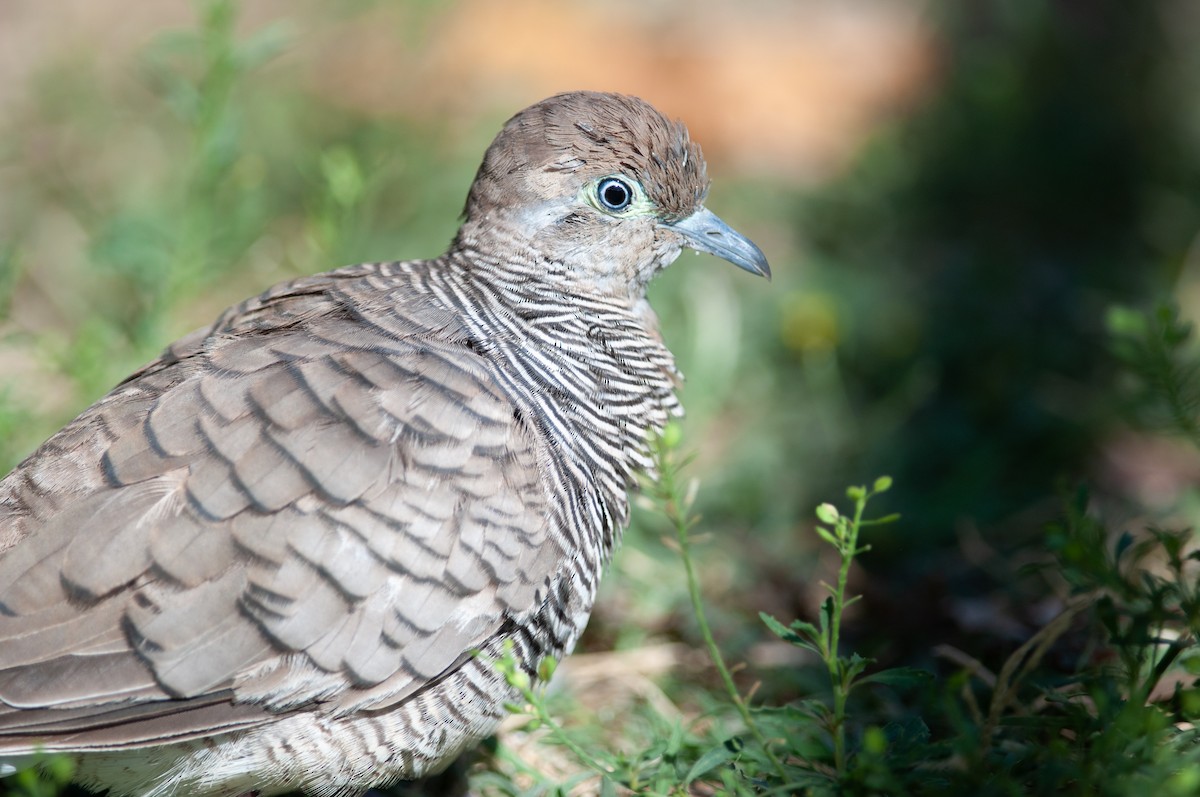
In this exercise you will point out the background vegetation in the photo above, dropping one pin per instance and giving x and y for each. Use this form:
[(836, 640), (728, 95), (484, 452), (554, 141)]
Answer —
[(984, 294)]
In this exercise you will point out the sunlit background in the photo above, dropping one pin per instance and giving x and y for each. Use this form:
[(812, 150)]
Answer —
[(952, 196)]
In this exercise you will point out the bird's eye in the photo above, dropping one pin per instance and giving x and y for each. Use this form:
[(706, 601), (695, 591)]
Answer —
[(614, 193)]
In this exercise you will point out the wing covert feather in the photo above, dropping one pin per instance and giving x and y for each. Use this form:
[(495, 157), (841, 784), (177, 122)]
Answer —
[(283, 517)]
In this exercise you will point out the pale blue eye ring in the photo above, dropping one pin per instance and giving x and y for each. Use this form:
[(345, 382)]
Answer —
[(614, 193)]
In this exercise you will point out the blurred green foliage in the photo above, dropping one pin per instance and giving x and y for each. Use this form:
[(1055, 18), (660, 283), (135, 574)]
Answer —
[(950, 328), (211, 182), (1025, 208), (975, 249), (1118, 720)]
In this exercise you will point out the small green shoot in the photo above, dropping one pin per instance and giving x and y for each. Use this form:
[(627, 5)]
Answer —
[(674, 501), (842, 532)]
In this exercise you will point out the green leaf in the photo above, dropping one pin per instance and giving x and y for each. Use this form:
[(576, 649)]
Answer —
[(263, 45), (607, 787), (675, 742), (1190, 660), (875, 741), (1125, 322), (826, 617), (801, 634), (815, 782), (343, 176), (899, 677), (672, 436), (854, 666), (779, 629), (706, 763), (883, 484), (825, 534), (1123, 544), (806, 629), (801, 712)]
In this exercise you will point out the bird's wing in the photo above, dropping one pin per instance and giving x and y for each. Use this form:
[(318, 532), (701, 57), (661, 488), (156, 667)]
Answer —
[(299, 507)]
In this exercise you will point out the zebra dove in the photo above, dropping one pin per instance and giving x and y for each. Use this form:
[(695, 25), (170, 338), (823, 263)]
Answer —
[(279, 556)]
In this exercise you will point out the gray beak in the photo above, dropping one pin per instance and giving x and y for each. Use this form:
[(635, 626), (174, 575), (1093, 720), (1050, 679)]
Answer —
[(705, 232)]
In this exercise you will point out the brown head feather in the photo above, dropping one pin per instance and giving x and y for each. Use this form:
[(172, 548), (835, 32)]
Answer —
[(592, 134)]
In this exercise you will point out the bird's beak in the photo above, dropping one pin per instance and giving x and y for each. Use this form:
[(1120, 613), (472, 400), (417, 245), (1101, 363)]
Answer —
[(705, 232)]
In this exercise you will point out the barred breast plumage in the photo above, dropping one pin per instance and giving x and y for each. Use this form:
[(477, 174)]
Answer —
[(266, 560)]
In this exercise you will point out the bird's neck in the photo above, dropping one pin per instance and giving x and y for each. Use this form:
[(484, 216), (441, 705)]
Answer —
[(506, 257), (590, 373)]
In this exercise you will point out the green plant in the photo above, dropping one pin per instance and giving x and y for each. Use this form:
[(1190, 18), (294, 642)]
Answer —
[(774, 753), (675, 503), (845, 672), (1106, 725), (1162, 369)]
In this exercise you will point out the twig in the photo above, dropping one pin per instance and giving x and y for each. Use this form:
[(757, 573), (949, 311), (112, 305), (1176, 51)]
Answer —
[(675, 506)]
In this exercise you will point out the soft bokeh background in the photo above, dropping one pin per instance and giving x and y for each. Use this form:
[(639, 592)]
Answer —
[(952, 196)]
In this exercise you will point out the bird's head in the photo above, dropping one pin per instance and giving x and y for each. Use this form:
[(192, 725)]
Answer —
[(600, 190)]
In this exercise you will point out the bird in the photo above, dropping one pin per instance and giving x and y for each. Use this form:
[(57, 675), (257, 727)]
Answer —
[(286, 554)]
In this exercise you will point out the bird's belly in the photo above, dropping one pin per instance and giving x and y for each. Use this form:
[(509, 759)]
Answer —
[(325, 754), (316, 753)]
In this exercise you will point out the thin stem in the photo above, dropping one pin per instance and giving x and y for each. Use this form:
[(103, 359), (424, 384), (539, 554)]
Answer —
[(521, 681), (564, 738), (1022, 661), (669, 495), (837, 673)]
